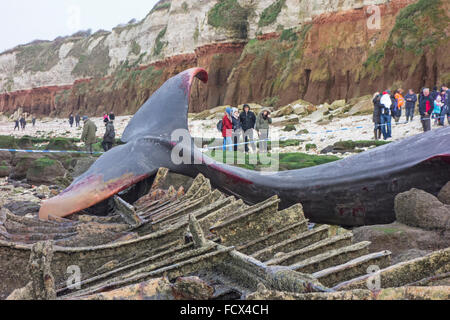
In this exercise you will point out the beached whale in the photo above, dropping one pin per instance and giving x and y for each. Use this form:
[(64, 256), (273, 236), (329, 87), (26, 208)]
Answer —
[(355, 191)]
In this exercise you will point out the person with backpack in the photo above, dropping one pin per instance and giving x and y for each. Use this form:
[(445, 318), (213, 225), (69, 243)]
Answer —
[(425, 108), (88, 136), (248, 121), (237, 128), (109, 136), (411, 99), (262, 127), (386, 113), (377, 106), (227, 130)]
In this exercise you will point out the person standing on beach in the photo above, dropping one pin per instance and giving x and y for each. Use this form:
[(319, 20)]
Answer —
[(109, 136), (237, 128), (77, 120), (263, 122), (23, 123), (425, 108), (227, 130), (248, 121), (88, 136), (33, 120), (400, 103), (377, 106), (411, 99), (386, 113), (71, 120)]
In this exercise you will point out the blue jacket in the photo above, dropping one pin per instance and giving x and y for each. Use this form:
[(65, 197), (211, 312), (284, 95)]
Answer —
[(411, 100)]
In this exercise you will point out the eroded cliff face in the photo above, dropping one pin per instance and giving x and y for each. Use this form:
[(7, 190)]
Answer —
[(255, 51)]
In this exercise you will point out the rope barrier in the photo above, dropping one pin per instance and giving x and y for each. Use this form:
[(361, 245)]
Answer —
[(50, 151)]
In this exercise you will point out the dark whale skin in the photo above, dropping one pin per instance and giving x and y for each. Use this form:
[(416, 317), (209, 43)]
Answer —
[(359, 190)]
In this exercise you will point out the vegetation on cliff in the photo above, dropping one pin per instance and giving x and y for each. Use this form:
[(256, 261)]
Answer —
[(39, 56), (230, 15), (94, 64), (419, 27), (270, 14), (159, 45)]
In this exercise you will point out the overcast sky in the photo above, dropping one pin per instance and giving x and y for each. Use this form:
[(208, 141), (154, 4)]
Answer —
[(23, 21)]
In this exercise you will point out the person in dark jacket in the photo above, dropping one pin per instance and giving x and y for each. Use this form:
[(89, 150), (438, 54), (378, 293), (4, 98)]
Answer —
[(33, 120), (263, 123), (112, 116), (377, 115), (109, 136), (23, 122), (411, 99), (227, 130), (237, 128), (248, 121), (426, 108), (446, 103), (435, 93), (77, 120), (71, 119)]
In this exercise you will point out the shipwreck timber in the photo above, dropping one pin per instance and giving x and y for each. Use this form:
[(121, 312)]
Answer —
[(170, 233)]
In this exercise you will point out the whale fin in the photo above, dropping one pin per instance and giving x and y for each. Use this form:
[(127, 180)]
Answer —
[(167, 109), (148, 148)]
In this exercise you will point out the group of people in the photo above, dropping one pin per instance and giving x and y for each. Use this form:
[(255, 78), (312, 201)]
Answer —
[(89, 136), (75, 119), (388, 106), (235, 125), (20, 122)]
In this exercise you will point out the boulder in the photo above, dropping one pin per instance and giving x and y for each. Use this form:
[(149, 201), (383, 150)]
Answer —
[(285, 111), (289, 128), (6, 156), (5, 170), (300, 110), (319, 115), (61, 144), (288, 122), (403, 241), (25, 142), (444, 195), (337, 104), (417, 208), (8, 142), (45, 170), (82, 165), (363, 107), (21, 163)]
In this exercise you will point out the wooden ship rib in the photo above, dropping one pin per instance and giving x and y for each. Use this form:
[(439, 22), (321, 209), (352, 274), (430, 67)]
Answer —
[(169, 233)]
